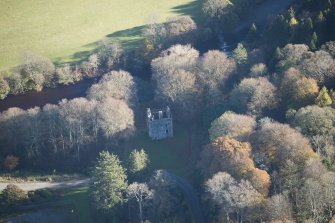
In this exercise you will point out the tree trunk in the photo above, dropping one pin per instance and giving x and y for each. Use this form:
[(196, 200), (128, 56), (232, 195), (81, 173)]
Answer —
[(140, 207)]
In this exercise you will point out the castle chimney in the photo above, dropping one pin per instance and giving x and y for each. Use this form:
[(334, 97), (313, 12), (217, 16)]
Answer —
[(168, 112), (148, 113)]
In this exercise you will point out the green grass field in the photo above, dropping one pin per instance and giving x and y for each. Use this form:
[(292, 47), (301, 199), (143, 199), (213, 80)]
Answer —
[(175, 154), (77, 202), (66, 31)]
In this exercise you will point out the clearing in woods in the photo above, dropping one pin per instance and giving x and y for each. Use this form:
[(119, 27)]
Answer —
[(67, 31)]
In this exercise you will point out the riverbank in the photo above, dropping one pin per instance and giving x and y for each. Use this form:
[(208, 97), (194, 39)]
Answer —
[(47, 96)]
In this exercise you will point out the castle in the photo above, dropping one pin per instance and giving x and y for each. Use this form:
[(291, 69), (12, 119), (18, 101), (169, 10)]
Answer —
[(159, 122)]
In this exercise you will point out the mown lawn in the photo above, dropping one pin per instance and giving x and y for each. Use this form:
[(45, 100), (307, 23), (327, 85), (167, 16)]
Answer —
[(66, 31)]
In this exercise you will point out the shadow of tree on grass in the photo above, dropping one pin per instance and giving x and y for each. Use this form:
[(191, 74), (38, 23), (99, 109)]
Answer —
[(192, 9), (131, 38)]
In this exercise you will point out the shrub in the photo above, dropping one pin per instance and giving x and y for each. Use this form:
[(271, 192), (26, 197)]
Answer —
[(12, 195), (11, 162)]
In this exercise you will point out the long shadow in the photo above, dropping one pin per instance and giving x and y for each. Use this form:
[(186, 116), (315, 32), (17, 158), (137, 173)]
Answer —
[(129, 39), (192, 9), (132, 37)]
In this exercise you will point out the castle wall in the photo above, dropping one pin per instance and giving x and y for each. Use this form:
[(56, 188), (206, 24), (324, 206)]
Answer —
[(159, 124)]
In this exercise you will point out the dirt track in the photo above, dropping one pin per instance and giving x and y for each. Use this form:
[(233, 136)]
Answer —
[(28, 186)]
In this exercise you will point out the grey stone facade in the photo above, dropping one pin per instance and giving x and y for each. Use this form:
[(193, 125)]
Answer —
[(159, 122)]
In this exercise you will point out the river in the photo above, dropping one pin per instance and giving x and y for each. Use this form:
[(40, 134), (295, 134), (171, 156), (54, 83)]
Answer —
[(49, 95)]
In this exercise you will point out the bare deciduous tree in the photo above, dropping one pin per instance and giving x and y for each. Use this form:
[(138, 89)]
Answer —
[(258, 70), (116, 84), (64, 75), (232, 125), (278, 208), (115, 118), (176, 57), (38, 71), (77, 116), (232, 196), (142, 194), (216, 68), (254, 96)]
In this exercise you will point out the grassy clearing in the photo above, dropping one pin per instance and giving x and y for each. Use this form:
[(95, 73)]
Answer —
[(66, 31), (175, 154), (77, 202)]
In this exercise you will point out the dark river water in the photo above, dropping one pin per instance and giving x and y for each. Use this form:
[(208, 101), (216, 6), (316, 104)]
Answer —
[(49, 95)]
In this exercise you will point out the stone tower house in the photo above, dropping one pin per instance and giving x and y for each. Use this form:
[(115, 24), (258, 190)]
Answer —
[(159, 122)]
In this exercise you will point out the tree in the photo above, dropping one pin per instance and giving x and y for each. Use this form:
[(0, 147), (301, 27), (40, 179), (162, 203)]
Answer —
[(138, 161), (11, 162), (11, 122), (314, 120), (33, 137), (180, 29), (141, 193), (216, 8), (311, 200), (220, 13), (175, 80), (54, 133), (4, 88), (276, 143), (278, 208), (323, 99), (119, 85), (115, 118), (233, 157), (291, 56), (91, 66), (177, 57), (258, 70), (318, 65), (168, 198), (240, 55), (108, 182), (293, 21), (297, 90), (15, 83), (110, 55), (64, 75), (94, 62), (12, 195), (254, 96), (216, 68), (327, 181), (318, 124), (232, 196), (314, 41), (180, 90), (38, 71), (232, 125), (329, 47), (77, 116), (154, 31)]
